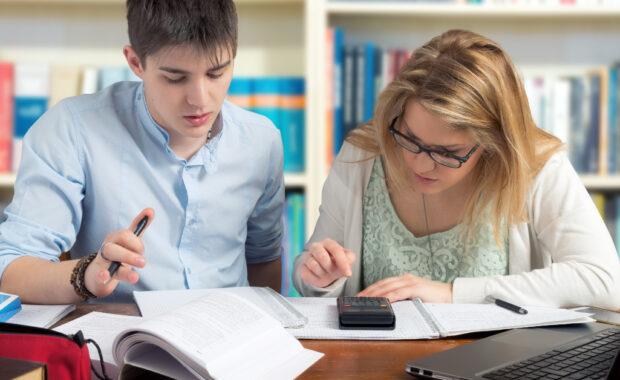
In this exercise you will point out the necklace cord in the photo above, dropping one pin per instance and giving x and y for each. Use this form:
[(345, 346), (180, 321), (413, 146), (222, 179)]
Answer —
[(428, 230)]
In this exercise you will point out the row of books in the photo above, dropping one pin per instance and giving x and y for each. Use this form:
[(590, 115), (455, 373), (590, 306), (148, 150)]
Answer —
[(580, 105), (28, 90), (608, 205), (293, 240), (582, 108), (356, 74), (282, 100)]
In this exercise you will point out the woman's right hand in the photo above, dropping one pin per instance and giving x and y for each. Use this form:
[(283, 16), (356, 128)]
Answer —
[(325, 262)]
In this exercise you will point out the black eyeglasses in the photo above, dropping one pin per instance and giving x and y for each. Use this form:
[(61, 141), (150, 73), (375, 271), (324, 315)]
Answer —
[(439, 156)]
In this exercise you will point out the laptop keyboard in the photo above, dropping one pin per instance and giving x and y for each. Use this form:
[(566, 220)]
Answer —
[(588, 358)]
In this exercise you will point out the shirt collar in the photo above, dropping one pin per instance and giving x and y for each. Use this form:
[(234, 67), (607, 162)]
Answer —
[(207, 153)]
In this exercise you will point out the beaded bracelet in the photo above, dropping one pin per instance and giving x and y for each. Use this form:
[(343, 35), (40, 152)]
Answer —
[(77, 277)]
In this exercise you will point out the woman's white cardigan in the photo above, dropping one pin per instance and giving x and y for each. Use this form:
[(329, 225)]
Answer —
[(564, 257)]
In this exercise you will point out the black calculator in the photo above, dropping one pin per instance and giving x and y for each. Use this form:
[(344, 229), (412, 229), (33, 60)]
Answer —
[(365, 313)]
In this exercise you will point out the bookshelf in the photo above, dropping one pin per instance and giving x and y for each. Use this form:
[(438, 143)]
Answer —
[(93, 32), (536, 36)]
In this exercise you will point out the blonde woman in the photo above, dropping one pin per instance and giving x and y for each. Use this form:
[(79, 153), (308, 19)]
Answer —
[(451, 193)]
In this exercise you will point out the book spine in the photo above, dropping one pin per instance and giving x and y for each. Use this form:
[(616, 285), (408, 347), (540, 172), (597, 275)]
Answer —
[(265, 98), (32, 89), (592, 139), (369, 81), (611, 121), (240, 92), (338, 88), (348, 102), (359, 86), (109, 75), (6, 115), (292, 123), (329, 95)]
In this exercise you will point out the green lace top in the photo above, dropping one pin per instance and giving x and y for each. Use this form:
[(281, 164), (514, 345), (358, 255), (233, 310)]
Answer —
[(390, 249)]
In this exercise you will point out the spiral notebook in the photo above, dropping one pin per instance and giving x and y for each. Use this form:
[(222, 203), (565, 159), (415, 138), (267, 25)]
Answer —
[(156, 302), (418, 320)]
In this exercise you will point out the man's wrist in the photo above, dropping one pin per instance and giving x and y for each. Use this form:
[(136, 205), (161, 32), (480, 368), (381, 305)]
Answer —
[(78, 277)]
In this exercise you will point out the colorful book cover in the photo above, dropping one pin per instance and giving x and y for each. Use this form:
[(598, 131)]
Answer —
[(369, 80), (240, 92), (64, 83), (32, 90), (9, 306), (266, 98), (292, 123), (6, 115), (109, 75), (338, 88)]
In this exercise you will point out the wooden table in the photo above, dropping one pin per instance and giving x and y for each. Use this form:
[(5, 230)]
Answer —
[(344, 359)]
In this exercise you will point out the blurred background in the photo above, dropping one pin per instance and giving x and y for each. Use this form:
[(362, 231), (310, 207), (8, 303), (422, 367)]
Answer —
[(315, 67)]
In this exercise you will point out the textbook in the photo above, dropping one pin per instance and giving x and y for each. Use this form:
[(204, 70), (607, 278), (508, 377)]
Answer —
[(217, 336), (41, 315), (418, 320), (9, 306), (155, 302)]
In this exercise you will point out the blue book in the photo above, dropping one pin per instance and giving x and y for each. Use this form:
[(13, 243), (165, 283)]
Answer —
[(592, 137), (111, 74), (292, 123), (369, 80), (612, 114), (286, 251), (266, 92), (338, 88), (9, 306), (240, 92)]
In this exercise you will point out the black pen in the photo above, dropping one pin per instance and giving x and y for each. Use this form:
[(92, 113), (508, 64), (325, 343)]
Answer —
[(510, 306), (115, 264)]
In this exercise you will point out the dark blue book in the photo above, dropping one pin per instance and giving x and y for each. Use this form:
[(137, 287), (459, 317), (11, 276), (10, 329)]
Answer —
[(369, 80), (592, 137), (338, 88)]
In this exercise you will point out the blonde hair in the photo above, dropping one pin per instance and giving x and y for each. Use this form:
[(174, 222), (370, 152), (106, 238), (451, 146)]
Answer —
[(470, 83)]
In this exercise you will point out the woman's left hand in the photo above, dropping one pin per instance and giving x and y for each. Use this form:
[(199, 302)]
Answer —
[(408, 286)]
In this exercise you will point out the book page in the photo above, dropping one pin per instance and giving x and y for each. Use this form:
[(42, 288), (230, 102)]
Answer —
[(322, 314), (156, 302), (213, 335), (456, 319), (41, 315)]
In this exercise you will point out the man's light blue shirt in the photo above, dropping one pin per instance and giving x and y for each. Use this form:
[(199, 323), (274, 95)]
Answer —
[(93, 162)]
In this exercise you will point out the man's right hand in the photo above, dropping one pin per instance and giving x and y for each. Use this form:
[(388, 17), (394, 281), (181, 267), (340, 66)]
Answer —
[(122, 246), (325, 262)]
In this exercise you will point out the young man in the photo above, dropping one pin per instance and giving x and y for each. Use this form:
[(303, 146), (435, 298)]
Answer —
[(206, 174)]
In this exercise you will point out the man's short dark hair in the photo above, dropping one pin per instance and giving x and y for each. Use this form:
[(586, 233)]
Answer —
[(210, 26)]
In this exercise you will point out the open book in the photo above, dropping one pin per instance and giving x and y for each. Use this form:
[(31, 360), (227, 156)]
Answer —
[(155, 302), (417, 320), (219, 335)]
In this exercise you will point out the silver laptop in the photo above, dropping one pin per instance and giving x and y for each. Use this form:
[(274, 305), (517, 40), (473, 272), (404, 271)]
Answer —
[(563, 352)]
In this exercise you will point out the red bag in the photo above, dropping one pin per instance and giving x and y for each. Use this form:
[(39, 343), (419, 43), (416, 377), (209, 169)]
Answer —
[(66, 356)]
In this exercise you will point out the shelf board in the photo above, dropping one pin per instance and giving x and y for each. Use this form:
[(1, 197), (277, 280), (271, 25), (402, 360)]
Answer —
[(7, 179), (469, 10), (596, 182), (295, 180)]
